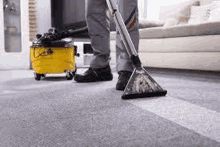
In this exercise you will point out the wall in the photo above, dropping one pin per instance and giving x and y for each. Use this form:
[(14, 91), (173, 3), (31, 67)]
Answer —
[(44, 15), (142, 7)]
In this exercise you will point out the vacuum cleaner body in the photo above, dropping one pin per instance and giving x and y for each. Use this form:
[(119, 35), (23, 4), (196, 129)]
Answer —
[(51, 56)]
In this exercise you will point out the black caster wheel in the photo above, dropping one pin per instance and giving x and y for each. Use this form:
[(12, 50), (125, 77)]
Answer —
[(43, 75), (69, 75), (37, 76)]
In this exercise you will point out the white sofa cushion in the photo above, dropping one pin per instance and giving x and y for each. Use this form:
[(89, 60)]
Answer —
[(214, 15), (199, 14), (171, 22), (214, 5), (180, 15), (214, 11), (145, 23)]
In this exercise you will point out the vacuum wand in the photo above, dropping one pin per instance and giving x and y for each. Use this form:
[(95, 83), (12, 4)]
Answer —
[(140, 84), (124, 34)]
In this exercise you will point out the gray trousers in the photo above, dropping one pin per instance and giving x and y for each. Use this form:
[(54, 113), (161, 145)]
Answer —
[(98, 24)]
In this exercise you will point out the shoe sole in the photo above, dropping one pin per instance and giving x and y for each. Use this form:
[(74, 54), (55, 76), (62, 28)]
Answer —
[(120, 89), (94, 80)]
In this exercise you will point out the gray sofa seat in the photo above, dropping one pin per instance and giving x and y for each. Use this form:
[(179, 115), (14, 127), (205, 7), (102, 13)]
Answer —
[(209, 28)]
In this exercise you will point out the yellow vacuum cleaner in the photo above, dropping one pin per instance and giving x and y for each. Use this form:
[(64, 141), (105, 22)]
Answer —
[(50, 57)]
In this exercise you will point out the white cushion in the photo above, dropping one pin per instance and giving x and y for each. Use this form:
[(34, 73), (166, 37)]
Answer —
[(171, 22), (145, 23), (214, 15), (199, 14), (214, 5)]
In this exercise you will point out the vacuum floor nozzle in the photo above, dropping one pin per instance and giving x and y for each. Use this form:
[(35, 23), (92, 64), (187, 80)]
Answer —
[(142, 85), (144, 95)]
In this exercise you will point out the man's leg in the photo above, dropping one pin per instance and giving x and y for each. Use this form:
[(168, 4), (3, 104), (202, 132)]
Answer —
[(99, 31), (129, 12)]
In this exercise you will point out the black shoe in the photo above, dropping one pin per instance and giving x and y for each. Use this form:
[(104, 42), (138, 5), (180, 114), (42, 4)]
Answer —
[(95, 74), (123, 79)]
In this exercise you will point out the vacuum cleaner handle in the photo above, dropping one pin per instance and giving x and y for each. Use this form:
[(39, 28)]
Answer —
[(124, 33)]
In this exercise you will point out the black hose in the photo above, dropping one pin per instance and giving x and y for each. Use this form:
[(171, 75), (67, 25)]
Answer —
[(74, 33), (78, 31), (51, 38)]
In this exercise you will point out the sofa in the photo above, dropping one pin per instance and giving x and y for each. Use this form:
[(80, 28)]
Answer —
[(188, 39)]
